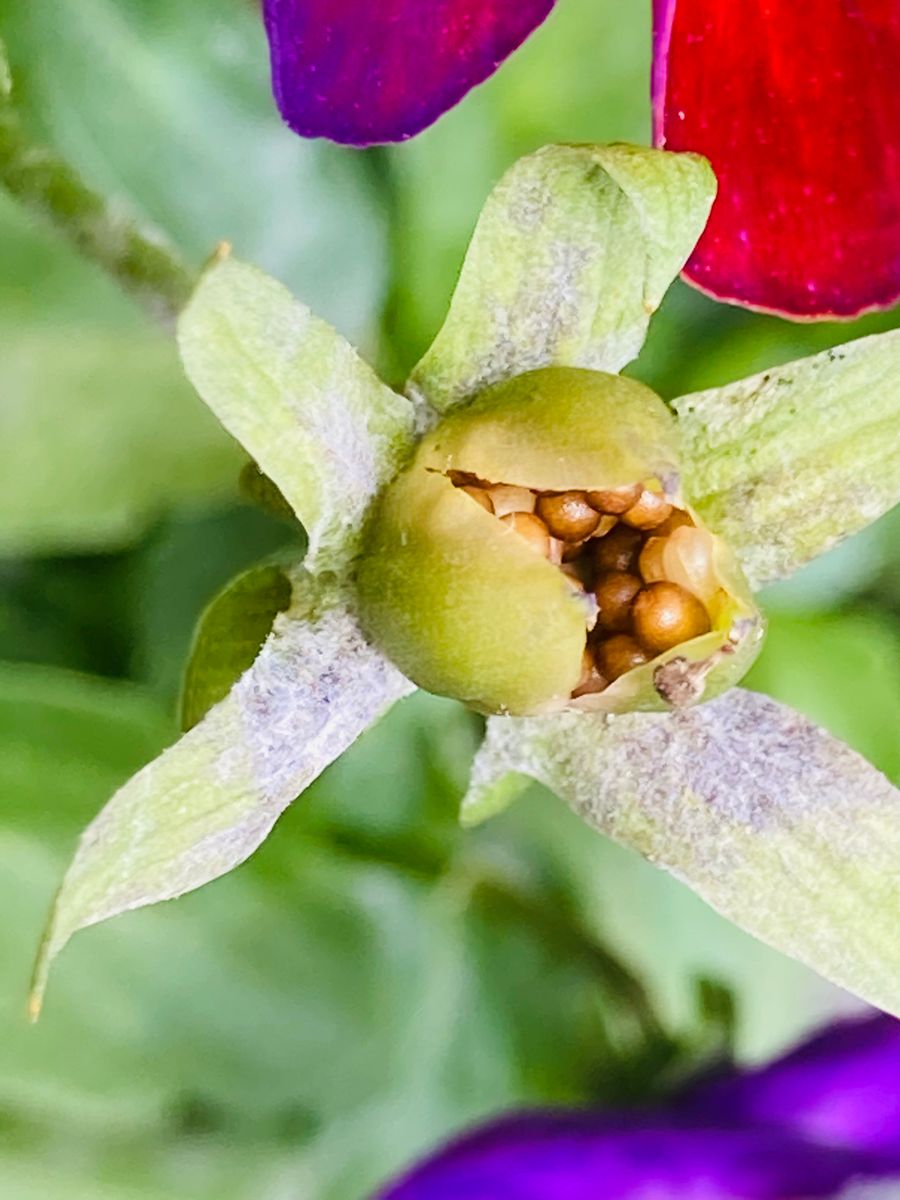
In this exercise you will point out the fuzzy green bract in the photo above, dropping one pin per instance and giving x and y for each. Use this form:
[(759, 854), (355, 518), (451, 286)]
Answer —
[(775, 823)]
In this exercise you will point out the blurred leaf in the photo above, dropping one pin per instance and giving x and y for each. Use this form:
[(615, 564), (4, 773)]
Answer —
[(175, 114), (786, 463), (313, 415), (101, 436), (310, 1022), (209, 801), (571, 255), (229, 636), (780, 827)]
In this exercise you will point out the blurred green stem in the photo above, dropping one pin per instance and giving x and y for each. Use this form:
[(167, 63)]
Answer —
[(138, 260)]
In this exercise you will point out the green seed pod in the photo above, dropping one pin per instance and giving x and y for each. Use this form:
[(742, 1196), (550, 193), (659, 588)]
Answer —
[(472, 602)]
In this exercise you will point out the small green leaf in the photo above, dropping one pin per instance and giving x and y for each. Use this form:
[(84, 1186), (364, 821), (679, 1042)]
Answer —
[(572, 254), (776, 824), (205, 805), (311, 413), (786, 463), (229, 636)]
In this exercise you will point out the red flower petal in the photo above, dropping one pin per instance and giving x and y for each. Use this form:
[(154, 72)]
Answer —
[(797, 105), (365, 71)]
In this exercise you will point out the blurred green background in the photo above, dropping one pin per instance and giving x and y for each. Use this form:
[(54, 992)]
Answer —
[(373, 978)]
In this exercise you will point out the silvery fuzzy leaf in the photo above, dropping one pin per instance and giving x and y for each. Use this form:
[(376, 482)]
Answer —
[(786, 463), (208, 801), (776, 824), (571, 255), (312, 414)]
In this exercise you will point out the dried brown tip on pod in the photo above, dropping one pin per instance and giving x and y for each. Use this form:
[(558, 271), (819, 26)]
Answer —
[(618, 655), (666, 614), (568, 515), (615, 500), (480, 496), (618, 551), (591, 680), (615, 591), (650, 510)]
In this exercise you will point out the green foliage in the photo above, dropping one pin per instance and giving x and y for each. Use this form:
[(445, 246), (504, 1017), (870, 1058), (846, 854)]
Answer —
[(229, 637)]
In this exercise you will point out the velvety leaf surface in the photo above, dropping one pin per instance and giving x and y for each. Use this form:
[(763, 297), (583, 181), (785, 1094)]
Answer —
[(229, 636), (207, 803), (783, 829), (362, 73), (786, 463), (571, 255), (797, 108), (312, 414)]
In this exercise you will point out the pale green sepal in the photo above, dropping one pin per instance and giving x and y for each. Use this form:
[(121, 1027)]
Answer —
[(229, 635), (572, 253), (206, 803), (786, 463), (310, 412), (776, 824)]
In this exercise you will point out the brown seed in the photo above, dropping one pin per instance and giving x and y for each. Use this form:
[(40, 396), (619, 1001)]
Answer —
[(665, 615), (618, 551), (606, 524), (616, 500), (615, 591), (509, 498), (568, 515), (650, 510), (591, 680), (618, 654), (676, 518), (480, 496), (650, 562), (532, 529)]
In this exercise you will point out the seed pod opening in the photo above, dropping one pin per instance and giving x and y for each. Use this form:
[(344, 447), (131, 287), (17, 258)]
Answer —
[(493, 573)]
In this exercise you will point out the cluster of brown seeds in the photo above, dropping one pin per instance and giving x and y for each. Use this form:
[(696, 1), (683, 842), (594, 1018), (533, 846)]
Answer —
[(611, 546)]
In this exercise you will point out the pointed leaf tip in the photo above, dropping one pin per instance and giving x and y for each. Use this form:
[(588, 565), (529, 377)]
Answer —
[(211, 799)]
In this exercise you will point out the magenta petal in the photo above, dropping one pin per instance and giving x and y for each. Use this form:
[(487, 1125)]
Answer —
[(796, 103), (584, 1156), (366, 71), (841, 1088)]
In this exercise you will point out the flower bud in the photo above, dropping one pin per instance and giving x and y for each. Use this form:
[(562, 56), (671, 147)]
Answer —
[(476, 600)]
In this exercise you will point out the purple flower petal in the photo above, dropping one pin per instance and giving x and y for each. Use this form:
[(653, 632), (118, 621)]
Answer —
[(584, 1156), (366, 71), (796, 105), (841, 1088)]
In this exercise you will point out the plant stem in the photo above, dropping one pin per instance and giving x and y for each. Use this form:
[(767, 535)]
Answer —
[(137, 259)]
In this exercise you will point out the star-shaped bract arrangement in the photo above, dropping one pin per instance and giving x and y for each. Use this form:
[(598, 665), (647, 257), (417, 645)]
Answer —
[(779, 826), (795, 105), (819, 1122)]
